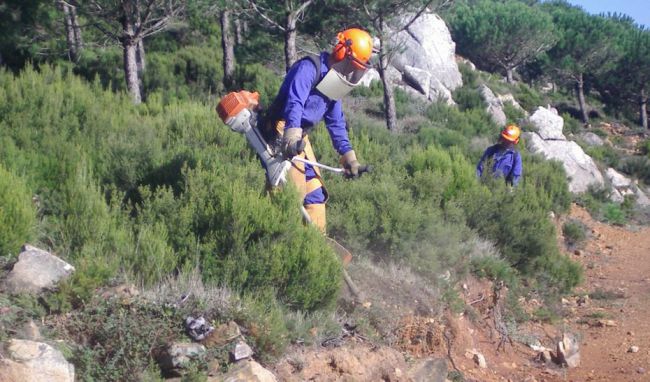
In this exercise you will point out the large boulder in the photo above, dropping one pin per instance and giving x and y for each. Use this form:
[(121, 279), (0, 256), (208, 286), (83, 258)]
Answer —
[(580, 167), (36, 270), (426, 58), (35, 362), (548, 124)]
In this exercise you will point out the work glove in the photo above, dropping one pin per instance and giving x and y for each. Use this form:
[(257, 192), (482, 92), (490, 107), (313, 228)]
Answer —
[(350, 165), (292, 142)]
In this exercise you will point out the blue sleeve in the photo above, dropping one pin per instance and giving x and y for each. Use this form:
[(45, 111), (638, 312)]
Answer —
[(479, 167), (517, 169), (337, 127), (299, 80)]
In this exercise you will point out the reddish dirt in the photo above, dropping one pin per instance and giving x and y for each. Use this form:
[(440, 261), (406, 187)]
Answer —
[(617, 277), (607, 323)]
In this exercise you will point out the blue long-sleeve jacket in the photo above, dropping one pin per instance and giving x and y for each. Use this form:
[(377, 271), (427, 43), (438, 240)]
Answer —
[(305, 106), (506, 162)]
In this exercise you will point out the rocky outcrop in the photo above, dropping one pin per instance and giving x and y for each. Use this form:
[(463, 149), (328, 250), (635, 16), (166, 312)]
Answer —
[(549, 141), (494, 105), (568, 351), (548, 124), (426, 58), (591, 139), (623, 186), (36, 270), (35, 362)]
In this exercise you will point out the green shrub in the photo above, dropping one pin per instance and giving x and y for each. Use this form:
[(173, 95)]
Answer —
[(17, 213), (513, 114), (574, 232), (192, 72), (528, 97), (468, 98), (257, 77), (614, 214), (119, 342), (571, 125), (605, 154), (264, 319), (638, 167)]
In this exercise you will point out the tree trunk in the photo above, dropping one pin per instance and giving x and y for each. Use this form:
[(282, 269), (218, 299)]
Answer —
[(130, 42), (239, 38), (390, 113), (580, 91), (140, 58), (131, 70), (644, 109), (510, 75), (69, 31), (78, 39), (228, 50), (290, 55)]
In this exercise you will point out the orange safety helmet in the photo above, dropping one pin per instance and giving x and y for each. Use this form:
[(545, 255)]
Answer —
[(356, 44), (511, 133)]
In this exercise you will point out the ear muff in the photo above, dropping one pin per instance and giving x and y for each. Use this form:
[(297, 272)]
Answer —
[(355, 44), (341, 48)]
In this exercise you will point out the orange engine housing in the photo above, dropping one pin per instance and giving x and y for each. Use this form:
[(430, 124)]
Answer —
[(233, 103)]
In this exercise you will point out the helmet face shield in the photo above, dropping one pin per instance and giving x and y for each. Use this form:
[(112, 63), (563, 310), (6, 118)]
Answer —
[(350, 69)]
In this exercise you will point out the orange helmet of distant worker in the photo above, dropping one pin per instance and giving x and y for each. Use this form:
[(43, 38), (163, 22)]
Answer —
[(356, 44), (511, 133)]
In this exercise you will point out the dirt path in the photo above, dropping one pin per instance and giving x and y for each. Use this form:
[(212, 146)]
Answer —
[(617, 317)]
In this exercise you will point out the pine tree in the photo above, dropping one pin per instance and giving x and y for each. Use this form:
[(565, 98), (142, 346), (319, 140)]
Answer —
[(587, 46), (501, 35)]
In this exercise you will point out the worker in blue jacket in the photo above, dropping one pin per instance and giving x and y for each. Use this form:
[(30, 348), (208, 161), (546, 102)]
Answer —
[(504, 159), (311, 92)]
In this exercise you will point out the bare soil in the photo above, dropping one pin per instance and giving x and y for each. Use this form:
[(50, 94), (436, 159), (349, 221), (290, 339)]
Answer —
[(609, 314)]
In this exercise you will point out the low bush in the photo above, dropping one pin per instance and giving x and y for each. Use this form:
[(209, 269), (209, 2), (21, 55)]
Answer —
[(574, 232), (119, 342), (605, 154), (17, 213)]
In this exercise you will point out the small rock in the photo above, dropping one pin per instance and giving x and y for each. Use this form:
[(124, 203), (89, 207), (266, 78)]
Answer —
[(479, 359), (578, 252), (125, 293), (633, 349), (178, 355), (606, 323), (568, 351), (248, 371), (35, 271), (34, 361), (640, 370), (545, 356), (241, 351), (630, 333), (30, 331), (582, 300), (428, 370), (198, 328)]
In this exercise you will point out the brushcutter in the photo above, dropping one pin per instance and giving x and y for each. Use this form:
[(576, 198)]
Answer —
[(239, 111)]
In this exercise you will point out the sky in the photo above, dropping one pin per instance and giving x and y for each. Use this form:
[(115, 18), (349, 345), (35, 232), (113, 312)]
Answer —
[(639, 10)]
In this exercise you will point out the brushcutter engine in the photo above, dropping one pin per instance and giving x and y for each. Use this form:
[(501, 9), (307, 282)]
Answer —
[(239, 111)]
